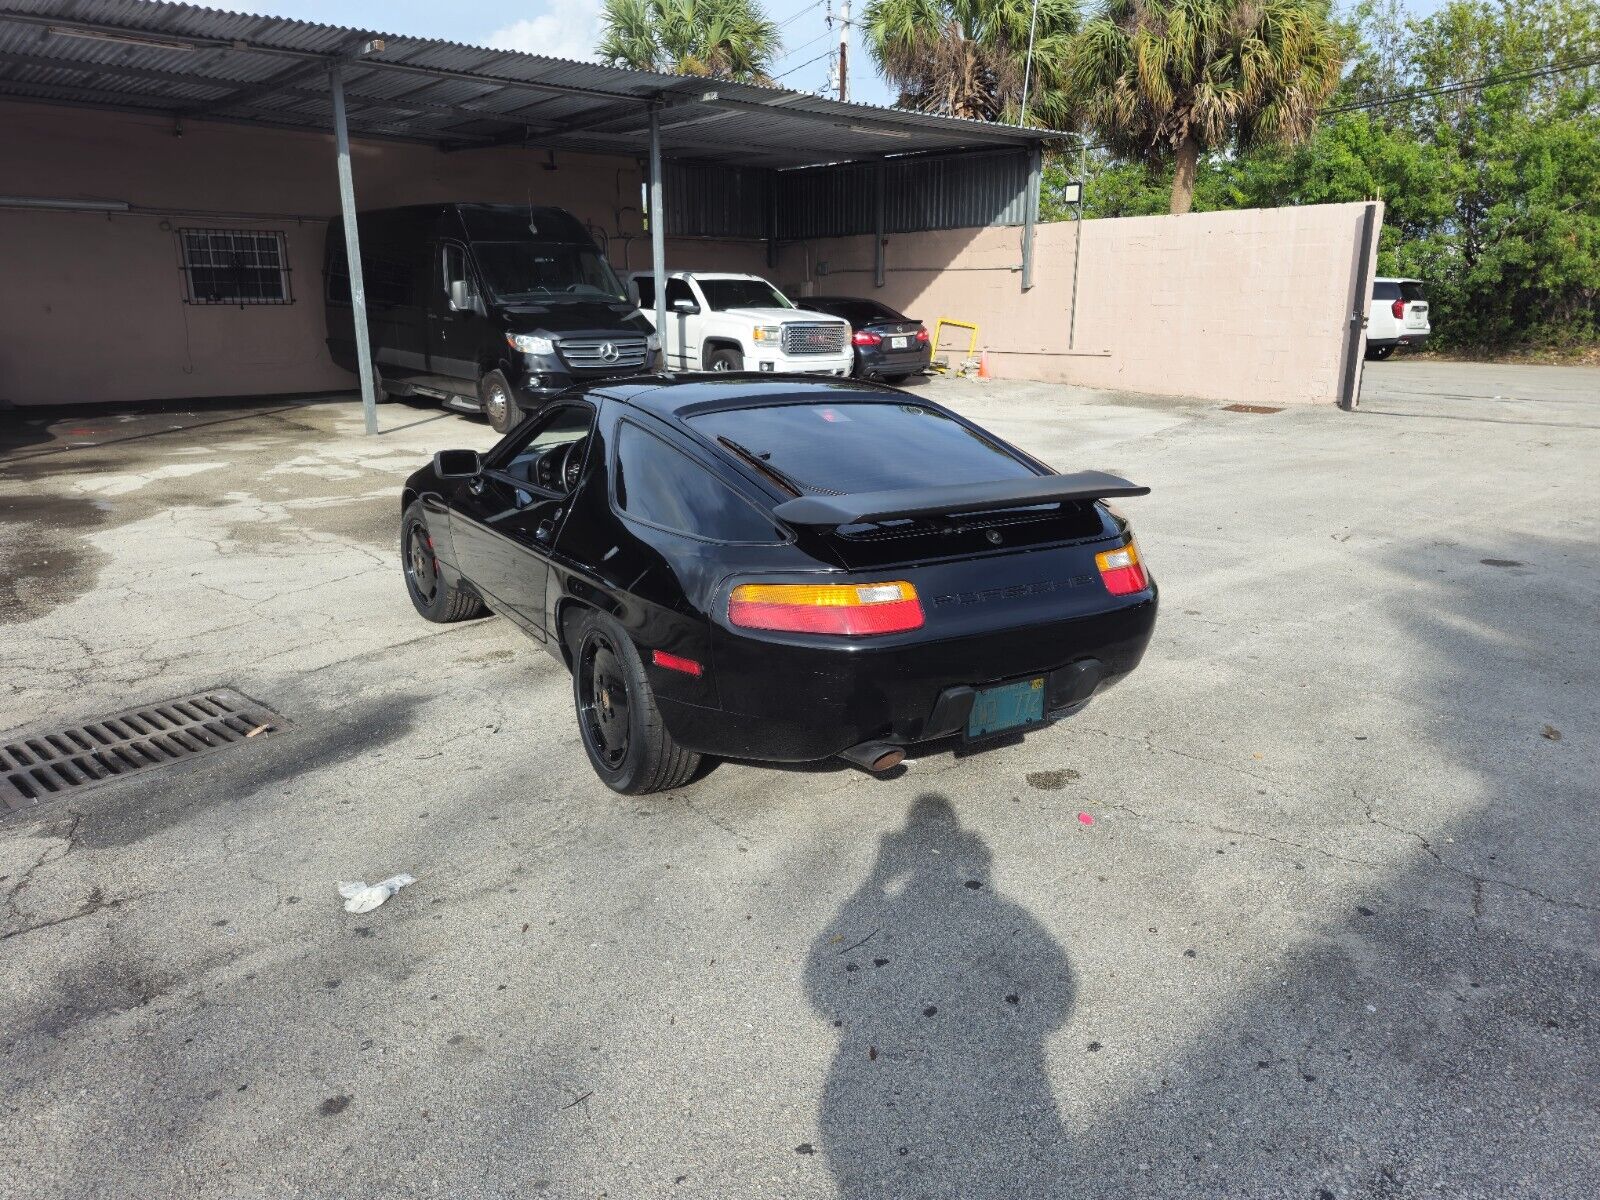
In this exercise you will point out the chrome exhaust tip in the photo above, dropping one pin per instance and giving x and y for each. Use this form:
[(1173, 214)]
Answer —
[(876, 757)]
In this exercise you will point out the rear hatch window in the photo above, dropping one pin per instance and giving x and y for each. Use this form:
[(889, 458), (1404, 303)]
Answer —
[(844, 448), (1411, 291)]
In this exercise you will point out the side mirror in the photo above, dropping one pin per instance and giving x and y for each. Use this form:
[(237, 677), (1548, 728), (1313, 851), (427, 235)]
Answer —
[(461, 295), (685, 306), (457, 464)]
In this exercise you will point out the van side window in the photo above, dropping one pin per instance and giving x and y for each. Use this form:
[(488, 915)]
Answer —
[(647, 291), (659, 484)]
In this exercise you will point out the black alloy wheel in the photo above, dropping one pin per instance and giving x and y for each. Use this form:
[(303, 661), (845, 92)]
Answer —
[(431, 593), (603, 702), (623, 734)]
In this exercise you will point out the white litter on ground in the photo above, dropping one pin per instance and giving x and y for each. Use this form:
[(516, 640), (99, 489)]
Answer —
[(361, 897)]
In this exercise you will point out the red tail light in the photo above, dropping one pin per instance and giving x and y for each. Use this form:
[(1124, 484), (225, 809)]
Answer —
[(865, 337), (855, 610), (922, 334), (1121, 571), (1398, 308)]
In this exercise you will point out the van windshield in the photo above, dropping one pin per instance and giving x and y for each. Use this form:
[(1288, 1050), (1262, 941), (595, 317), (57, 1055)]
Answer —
[(546, 271)]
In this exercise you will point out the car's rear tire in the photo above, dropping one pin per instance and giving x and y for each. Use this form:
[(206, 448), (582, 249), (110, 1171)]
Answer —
[(725, 359), (1379, 352), (435, 599), (627, 744), (499, 402)]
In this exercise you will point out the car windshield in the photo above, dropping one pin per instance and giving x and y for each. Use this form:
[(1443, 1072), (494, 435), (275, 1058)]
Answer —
[(722, 294), (861, 447), (546, 271)]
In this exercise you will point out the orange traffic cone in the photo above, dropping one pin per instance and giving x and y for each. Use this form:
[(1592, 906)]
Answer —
[(983, 365)]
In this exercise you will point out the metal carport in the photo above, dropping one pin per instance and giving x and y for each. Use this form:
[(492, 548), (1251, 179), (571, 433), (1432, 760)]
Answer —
[(190, 63)]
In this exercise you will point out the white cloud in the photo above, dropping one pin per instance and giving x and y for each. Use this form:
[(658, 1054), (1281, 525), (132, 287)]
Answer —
[(567, 29)]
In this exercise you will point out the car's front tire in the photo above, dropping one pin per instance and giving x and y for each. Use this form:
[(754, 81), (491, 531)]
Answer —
[(499, 402), (725, 359), (628, 746), (430, 595)]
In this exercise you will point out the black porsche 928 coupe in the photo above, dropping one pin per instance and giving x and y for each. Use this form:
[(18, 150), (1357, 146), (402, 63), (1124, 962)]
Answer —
[(782, 569)]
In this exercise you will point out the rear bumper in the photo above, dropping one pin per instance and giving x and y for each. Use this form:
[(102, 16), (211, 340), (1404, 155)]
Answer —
[(793, 703), (1406, 337), (893, 362)]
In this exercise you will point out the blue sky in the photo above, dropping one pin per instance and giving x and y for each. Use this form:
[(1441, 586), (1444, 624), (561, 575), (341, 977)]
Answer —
[(569, 29)]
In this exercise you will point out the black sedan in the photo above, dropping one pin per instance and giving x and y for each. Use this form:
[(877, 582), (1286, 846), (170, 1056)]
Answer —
[(889, 345), (764, 568)]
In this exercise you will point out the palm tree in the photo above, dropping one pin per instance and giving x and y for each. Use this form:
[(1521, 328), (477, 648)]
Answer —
[(967, 58), (1173, 78), (718, 39)]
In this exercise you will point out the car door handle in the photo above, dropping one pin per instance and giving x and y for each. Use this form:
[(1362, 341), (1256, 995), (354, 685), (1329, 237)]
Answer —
[(545, 529), (475, 485)]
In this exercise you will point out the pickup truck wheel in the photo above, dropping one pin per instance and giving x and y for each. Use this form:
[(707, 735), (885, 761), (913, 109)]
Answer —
[(499, 402), (725, 360)]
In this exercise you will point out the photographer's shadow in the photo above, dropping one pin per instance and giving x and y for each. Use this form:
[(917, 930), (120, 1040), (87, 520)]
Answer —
[(938, 1086)]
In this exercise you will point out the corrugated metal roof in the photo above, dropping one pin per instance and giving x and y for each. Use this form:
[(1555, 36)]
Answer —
[(203, 63)]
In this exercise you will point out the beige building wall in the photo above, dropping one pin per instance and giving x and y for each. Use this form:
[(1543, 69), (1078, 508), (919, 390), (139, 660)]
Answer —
[(91, 307), (1248, 306)]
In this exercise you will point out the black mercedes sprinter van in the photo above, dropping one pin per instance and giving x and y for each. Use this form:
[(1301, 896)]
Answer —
[(488, 307)]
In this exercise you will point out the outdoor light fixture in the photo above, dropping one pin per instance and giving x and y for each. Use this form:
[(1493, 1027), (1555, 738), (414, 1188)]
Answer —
[(1072, 193), (126, 39)]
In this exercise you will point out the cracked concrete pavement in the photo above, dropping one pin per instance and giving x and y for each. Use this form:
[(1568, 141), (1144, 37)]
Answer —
[(1331, 933)]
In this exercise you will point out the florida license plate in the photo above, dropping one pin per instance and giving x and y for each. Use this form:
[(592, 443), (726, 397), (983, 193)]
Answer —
[(1005, 707), (898, 343)]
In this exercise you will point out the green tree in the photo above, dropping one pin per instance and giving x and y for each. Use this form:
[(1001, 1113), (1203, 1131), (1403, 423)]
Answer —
[(969, 58), (719, 39), (1168, 80)]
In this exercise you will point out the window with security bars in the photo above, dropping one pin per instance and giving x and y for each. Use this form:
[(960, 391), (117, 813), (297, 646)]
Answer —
[(235, 266)]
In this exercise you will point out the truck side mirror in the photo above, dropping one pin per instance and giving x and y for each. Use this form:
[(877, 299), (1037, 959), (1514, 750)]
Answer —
[(461, 296), (457, 464), (685, 306)]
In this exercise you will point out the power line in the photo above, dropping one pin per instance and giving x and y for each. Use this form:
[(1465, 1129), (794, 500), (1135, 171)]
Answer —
[(793, 17), (825, 33), (804, 65), (1465, 85)]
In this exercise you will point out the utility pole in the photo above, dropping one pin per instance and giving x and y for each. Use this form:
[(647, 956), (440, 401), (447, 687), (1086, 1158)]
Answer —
[(844, 50)]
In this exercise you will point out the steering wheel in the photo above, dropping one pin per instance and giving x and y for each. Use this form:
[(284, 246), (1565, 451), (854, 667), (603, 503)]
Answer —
[(572, 463)]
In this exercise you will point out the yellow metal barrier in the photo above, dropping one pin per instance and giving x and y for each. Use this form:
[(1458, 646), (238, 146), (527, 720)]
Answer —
[(970, 362)]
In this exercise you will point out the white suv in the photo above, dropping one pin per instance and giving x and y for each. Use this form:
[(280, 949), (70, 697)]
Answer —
[(1398, 316), (723, 322)]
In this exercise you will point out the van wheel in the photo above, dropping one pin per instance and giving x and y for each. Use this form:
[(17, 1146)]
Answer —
[(499, 402), (725, 359)]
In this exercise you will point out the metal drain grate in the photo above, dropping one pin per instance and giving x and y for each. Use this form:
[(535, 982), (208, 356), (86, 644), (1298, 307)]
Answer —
[(41, 767)]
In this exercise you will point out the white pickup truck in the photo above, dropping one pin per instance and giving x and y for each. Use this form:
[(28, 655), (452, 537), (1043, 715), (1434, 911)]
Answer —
[(724, 322)]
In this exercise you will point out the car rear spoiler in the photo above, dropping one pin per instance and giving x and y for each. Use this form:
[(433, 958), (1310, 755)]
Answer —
[(960, 498)]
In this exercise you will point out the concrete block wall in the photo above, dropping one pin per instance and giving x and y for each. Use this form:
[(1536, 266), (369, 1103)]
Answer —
[(1250, 306)]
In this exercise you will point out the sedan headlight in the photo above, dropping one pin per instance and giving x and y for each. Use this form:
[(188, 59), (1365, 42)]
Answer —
[(527, 343), (767, 333)]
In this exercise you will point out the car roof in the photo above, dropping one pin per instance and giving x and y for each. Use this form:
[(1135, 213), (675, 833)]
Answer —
[(669, 396), (698, 275), (1394, 279)]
